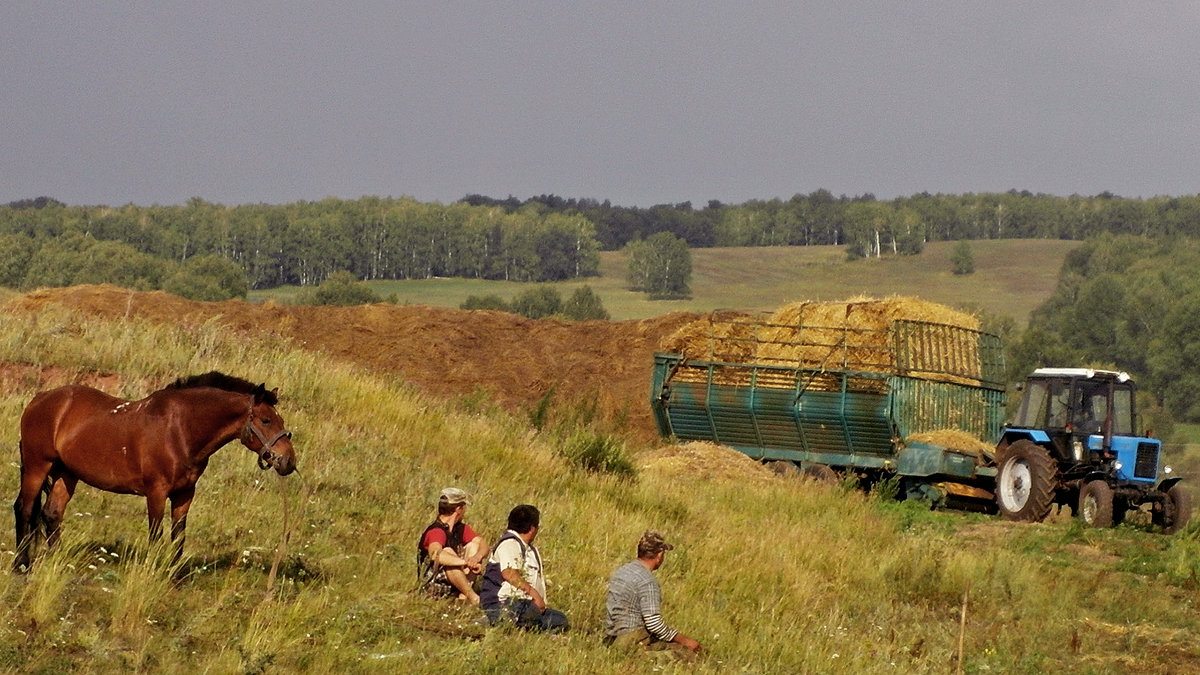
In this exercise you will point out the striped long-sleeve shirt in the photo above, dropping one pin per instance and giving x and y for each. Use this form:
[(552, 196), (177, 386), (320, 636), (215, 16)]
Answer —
[(635, 601)]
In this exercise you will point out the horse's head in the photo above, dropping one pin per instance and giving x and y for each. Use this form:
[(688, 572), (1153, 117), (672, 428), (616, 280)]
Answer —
[(266, 434)]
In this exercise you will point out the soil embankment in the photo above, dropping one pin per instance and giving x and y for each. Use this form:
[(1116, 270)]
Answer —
[(445, 352)]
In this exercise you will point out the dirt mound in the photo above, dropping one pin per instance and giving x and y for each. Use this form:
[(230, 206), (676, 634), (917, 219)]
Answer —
[(446, 352)]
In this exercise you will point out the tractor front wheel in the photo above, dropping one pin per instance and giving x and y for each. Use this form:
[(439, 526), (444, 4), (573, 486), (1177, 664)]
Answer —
[(1176, 511), (1096, 504), (1026, 481)]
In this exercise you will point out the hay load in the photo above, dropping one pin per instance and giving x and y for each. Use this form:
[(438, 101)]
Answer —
[(931, 341)]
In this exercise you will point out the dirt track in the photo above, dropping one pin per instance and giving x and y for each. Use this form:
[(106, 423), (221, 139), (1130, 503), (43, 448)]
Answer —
[(446, 352)]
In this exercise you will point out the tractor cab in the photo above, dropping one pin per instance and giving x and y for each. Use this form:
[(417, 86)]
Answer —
[(1073, 404), (1078, 412)]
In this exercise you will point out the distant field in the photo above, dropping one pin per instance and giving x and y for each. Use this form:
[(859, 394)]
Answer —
[(1011, 278)]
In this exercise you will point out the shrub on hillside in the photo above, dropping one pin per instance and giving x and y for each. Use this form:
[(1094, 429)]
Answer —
[(538, 303), (208, 277), (962, 259), (74, 259), (543, 301), (342, 289), (599, 453), (485, 302), (584, 305)]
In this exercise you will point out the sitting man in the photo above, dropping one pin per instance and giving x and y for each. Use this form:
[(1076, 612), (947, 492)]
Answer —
[(513, 585), (634, 604), (449, 553)]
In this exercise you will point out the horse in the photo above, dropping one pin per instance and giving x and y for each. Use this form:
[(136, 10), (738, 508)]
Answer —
[(156, 447)]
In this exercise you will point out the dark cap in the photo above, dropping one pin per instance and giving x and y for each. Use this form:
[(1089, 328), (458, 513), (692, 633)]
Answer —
[(652, 543)]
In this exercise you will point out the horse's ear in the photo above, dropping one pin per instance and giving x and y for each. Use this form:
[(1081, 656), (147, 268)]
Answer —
[(260, 392)]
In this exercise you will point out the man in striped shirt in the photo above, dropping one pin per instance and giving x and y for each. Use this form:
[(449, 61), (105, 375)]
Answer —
[(634, 603)]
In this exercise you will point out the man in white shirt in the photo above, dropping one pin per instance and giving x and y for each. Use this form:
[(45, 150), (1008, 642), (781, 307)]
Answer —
[(514, 586)]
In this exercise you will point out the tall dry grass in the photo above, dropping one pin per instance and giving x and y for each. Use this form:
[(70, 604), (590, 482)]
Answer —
[(771, 574)]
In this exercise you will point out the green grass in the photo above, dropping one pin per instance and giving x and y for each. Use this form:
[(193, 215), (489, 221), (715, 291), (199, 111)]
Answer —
[(1011, 278), (771, 575)]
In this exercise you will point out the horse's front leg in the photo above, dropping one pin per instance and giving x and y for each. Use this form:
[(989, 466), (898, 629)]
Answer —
[(181, 501), (156, 504)]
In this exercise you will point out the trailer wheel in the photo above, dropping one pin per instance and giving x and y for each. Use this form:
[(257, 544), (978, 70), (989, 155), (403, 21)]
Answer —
[(1026, 481), (1177, 511), (784, 467), (821, 473), (1096, 504)]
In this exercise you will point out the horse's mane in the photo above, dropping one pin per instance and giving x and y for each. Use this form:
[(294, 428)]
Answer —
[(219, 380)]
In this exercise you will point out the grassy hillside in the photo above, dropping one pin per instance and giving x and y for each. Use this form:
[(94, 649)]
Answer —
[(1012, 277), (771, 574)]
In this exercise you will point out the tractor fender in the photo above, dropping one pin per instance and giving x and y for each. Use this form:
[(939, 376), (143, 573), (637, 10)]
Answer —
[(1096, 475), (1168, 483), (1011, 436)]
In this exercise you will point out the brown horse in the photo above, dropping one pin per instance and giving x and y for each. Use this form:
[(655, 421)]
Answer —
[(156, 447)]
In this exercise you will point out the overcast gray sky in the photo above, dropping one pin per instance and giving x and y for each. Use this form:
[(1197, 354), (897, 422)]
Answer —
[(640, 102)]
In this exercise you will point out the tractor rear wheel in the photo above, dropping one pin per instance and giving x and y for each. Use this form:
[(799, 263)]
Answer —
[(1026, 481), (1096, 504)]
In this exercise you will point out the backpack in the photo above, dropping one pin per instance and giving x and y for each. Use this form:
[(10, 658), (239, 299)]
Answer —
[(489, 594), (427, 567)]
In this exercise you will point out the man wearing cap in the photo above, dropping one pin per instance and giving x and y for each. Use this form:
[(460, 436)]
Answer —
[(634, 603), (449, 553)]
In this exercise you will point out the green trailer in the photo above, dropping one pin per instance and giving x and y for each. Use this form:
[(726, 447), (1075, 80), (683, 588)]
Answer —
[(859, 414)]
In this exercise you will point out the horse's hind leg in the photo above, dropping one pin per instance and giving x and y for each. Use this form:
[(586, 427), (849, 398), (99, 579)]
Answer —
[(62, 488), (27, 510)]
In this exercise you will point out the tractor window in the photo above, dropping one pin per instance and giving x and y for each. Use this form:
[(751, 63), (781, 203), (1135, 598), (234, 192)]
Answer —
[(1123, 412), (1091, 407), (1033, 406), (1060, 400)]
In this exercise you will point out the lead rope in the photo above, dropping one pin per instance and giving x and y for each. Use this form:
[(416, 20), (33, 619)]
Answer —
[(288, 527)]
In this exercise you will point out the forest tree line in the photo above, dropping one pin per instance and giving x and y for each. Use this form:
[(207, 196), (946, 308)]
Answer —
[(198, 249)]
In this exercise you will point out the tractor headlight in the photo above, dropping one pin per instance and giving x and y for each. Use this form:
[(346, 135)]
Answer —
[(1117, 465), (1166, 469)]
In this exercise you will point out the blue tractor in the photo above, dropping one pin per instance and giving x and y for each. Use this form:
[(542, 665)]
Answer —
[(1073, 442)]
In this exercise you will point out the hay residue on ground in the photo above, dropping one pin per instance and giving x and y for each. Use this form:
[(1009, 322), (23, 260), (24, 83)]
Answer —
[(704, 461), (955, 440)]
